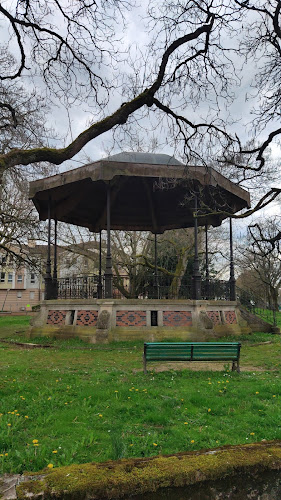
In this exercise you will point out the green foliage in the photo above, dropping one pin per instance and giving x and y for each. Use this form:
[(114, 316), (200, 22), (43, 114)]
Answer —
[(87, 403)]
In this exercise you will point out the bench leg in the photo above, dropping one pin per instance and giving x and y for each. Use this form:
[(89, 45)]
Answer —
[(144, 365), (235, 367)]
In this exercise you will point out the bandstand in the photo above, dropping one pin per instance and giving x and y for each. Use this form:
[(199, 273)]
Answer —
[(139, 192)]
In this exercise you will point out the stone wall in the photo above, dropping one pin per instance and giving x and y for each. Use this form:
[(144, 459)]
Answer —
[(138, 319)]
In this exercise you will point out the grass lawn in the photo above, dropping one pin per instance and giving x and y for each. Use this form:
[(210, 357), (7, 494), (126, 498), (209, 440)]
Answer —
[(78, 403)]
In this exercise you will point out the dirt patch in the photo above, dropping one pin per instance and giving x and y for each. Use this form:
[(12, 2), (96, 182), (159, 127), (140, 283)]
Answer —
[(198, 366)]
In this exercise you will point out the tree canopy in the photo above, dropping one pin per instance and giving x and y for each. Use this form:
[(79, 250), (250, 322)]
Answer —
[(199, 71)]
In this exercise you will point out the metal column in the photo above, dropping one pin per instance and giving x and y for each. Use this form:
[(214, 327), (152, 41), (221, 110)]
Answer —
[(232, 291), (99, 287), (108, 264), (207, 276), (156, 280), (55, 273), (48, 274), (196, 277)]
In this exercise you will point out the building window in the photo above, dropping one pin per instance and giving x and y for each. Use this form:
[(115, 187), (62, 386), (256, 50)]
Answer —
[(3, 260), (19, 279), (19, 295), (32, 278), (2, 277), (32, 295), (10, 277)]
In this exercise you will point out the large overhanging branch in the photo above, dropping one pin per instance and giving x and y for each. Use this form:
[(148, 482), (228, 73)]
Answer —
[(268, 198), (119, 117), (194, 126), (262, 239), (261, 150)]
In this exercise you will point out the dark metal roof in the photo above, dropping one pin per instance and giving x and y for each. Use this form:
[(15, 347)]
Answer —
[(148, 158), (151, 196)]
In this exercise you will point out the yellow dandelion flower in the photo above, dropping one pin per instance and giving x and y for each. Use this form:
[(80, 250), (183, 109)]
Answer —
[(209, 383), (257, 392), (55, 451), (50, 466), (6, 454), (66, 403), (252, 433), (36, 444), (155, 444), (192, 441), (227, 381), (131, 445), (100, 415), (274, 396), (17, 414), (129, 397), (115, 391), (26, 416), (1, 455), (209, 409), (182, 399), (185, 423), (35, 441), (220, 391), (136, 389), (12, 412)]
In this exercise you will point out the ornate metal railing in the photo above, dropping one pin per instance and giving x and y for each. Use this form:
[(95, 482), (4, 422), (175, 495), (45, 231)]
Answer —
[(149, 287), (80, 287)]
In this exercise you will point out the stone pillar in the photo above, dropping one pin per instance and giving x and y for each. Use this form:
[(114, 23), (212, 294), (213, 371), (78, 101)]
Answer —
[(99, 287), (232, 291), (48, 274), (196, 277), (108, 264)]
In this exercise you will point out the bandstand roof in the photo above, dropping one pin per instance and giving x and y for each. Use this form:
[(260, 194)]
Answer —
[(151, 192)]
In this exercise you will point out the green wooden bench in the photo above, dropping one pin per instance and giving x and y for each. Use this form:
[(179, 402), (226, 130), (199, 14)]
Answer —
[(192, 351)]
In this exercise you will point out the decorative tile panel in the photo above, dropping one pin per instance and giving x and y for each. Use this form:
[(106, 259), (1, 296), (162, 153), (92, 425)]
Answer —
[(177, 318), (130, 318), (230, 317), (214, 317), (86, 318), (56, 317)]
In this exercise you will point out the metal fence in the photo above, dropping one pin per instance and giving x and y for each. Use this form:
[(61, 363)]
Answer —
[(258, 305), (150, 287)]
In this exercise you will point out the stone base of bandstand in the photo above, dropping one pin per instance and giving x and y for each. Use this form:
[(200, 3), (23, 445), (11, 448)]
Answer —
[(105, 320)]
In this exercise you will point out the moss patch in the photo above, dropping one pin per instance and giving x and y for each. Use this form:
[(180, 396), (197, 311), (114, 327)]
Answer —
[(114, 480)]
